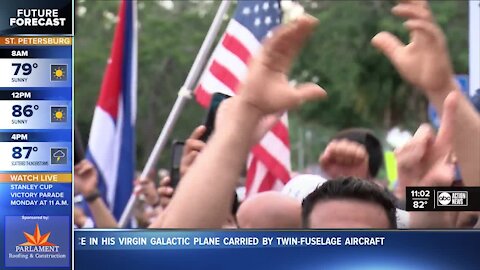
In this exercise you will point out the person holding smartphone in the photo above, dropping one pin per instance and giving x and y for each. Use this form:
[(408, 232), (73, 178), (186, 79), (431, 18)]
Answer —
[(191, 149), (184, 153)]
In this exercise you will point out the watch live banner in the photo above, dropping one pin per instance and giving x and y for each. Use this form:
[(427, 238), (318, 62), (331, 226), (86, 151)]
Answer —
[(168, 249)]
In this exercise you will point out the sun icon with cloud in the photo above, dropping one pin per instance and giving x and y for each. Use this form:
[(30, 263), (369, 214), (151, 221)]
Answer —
[(59, 73)]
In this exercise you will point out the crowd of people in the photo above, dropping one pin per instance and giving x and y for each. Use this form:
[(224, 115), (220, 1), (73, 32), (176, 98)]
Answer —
[(345, 191)]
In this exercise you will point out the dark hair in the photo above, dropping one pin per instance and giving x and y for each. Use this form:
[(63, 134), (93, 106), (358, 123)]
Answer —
[(350, 188), (372, 145)]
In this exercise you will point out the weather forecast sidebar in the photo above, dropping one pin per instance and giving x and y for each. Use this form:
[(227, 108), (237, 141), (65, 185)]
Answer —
[(36, 134)]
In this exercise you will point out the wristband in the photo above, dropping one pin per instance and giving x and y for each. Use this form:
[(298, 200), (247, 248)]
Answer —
[(92, 196)]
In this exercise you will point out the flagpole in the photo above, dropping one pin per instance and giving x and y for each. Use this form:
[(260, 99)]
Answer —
[(183, 95)]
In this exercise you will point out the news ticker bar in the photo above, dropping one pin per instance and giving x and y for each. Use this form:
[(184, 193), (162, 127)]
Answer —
[(198, 239), (443, 199), (248, 249)]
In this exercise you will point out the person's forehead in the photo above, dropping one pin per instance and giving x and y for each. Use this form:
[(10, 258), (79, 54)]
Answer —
[(342, 205), (348, 212)]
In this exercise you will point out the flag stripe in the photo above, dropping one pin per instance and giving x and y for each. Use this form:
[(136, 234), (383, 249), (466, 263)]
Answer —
[(101, 151), (126, 166), (202, 96), (212, 82), (112, 84), (116, 163), (224, 75), (275, 144), (240, 32), (252, 171), (255, 179), (267, 183), (272, 163), (232, 44), (228, 58), (281, 131)]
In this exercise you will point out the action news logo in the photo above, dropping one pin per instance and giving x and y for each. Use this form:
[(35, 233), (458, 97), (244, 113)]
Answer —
[(40, 241), (452, 198)]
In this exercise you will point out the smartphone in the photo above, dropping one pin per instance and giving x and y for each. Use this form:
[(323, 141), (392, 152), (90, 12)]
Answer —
[(209, 122), (79, 151), (177, 152)]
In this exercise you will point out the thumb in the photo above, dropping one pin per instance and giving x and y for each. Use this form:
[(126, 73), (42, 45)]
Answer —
[(388, 44), (309, 91)]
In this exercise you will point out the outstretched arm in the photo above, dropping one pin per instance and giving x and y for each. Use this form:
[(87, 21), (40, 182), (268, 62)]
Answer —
[(204, 196)]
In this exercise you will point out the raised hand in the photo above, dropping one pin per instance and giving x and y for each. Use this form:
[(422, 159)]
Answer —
[(345, 158), (424, 61), (86, 177), (426, 160), (266, 89)]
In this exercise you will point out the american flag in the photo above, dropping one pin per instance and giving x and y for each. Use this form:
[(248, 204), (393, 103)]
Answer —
[(269, 161)]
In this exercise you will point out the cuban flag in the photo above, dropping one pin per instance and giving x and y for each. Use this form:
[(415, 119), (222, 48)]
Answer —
[(111, 146)]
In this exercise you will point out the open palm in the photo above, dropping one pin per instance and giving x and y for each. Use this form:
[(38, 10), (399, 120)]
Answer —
[(268, 89), (425, 61)]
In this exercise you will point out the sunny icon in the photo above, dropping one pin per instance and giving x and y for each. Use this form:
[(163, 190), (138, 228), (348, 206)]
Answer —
[(58, 114), (59, 73)]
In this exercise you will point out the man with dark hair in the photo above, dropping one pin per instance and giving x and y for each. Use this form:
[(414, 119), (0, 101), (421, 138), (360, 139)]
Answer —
[(352, 152), (349, 203)]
